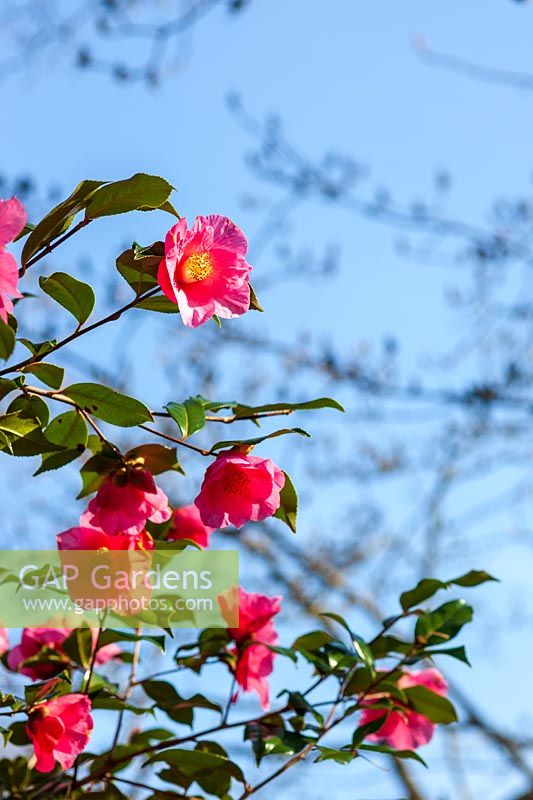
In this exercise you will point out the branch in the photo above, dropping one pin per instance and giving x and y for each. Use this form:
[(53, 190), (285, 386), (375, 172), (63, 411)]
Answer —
[(51, 247), (81, 332), (471, 69)]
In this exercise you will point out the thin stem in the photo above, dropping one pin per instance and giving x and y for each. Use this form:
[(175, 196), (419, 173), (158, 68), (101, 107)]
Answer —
[(233, 417), (61, 398), (81, 332), (137, 784), (51, 247), (99, 432), (160, 674), (230, 698), (295, 759), (131, 684), (175, 440), (86, 688)]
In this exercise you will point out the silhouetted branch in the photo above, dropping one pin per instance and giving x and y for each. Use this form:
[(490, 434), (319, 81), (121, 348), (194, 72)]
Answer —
[(471, 69)]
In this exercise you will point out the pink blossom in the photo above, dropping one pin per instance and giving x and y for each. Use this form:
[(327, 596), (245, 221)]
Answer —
[(187, 524), (255, 661), (12, 220), (59, 729), (32, 642), (238, 488), (124, 503), (403, 728), (85, 537), (4, 641), (35, 639), (126, 553), (204, 270)]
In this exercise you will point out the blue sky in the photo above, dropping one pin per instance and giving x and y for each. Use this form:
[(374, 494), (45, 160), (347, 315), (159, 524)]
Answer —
[(342, 76)]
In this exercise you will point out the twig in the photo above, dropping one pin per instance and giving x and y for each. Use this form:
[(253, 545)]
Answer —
[(175, 440), (81, 332), (51, 247)]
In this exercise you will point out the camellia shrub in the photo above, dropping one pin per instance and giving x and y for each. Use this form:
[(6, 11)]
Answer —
[(64, 736)]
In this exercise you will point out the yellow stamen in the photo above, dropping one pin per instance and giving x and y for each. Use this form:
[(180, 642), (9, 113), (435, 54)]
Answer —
[(197, 267)]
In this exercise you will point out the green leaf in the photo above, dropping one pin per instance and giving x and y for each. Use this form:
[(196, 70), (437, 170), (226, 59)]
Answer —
[(283, 651), (58, 220), (288, 508), (339, 756), (79, 646), (196, 764), (425, 589), (285, 745), (455, 652), (74, 295), (18, 735), (255, 305), (313, 641), (258, 439), (18, 424), (473, 578), (141, 192), (359, 681), (302, 706), (361, 648), (110, 702), (34, 443), (70, 431), (6, 387), (441, 625), (363, 731), (150, 735), (159, 303), (108, 405), (49, 374), (95, 470), (33, 407), (180, 709), (138, 266), (110, 636), (189, 415), (383, 748), (6, 735), (242, 410), (28, 228), (384, 645), (158, 458), (7, 340), (436, 708), (169, 208), (23, 432), (39, 348)]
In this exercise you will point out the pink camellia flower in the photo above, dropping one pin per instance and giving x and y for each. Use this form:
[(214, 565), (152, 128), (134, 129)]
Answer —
[(187, 524), (32, 642), (204, 270), (238, 488), (59, 729), (124, 503), (13, 218), (128, 553), (255, 661), (403, 728), (4, 641), (36, 639), (85, 537)]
